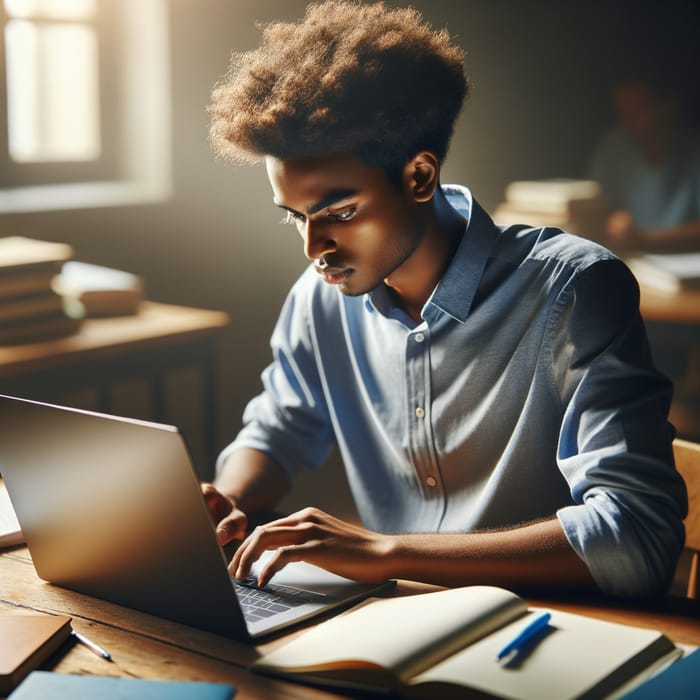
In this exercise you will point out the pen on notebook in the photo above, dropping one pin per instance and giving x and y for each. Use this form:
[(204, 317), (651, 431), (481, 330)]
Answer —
[(527, 633), (91, 645)]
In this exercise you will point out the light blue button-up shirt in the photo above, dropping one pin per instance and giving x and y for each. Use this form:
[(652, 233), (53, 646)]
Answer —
[(527, 391)]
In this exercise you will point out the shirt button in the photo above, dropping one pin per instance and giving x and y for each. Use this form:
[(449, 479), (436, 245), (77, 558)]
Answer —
[(419, 337), (431, 481), (420, 413)]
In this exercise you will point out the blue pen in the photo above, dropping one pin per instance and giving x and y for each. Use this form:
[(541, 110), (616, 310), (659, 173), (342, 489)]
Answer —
[(539, 623)]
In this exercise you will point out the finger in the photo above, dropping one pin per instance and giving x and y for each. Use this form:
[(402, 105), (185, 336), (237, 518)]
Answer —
[(263, 538), (232, 527), (283, 556), (236, 569), (289, 529), (210, 496), (307, 515), (217, 504)]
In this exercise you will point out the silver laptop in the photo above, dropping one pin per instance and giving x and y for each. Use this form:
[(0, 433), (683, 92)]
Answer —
[(112, 507)]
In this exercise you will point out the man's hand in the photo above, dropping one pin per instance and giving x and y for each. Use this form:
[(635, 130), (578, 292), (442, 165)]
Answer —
[(318, 538), (230, 521), (535, 555), (623, 230)]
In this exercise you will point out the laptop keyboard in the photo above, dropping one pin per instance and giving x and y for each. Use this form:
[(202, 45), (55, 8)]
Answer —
[(260, 603)]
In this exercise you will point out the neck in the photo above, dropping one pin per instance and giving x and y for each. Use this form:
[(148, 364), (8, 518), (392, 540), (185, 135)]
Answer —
[(413, 283)]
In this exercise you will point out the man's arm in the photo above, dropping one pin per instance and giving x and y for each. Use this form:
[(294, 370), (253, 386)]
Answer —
[(624, 231), (535, 555), (249, 481)]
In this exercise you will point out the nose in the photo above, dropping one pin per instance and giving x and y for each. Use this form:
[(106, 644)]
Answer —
[(317, 240)]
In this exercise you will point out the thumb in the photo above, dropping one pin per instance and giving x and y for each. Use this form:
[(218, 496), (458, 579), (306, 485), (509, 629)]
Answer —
[(232, 527)]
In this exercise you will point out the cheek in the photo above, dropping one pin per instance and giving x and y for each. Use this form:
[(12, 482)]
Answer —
[(386, 230), (373, 238)]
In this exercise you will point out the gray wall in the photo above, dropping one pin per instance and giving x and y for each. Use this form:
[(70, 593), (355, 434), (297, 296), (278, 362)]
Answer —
[(540, 72)]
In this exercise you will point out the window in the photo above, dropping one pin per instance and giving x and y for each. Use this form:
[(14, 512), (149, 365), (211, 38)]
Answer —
[(84, 97), (53, 106)]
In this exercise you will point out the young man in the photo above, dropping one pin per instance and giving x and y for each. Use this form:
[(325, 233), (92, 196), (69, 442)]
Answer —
[(490, 390)]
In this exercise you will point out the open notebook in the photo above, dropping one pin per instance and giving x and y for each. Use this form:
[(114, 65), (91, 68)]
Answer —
[(112, 507), (446, 644)]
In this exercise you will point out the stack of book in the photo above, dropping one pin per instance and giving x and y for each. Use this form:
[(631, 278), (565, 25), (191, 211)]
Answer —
[(30, 308), (101, 291), (578, 206)]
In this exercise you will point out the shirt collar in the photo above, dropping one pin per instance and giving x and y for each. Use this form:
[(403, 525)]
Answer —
[(454, 293)]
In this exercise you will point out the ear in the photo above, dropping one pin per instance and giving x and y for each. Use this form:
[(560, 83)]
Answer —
[(422, 175)]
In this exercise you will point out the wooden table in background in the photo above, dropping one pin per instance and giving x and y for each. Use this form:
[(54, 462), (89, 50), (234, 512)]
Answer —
[(670, 307), (673, 320), (144, 646), (146, 346)]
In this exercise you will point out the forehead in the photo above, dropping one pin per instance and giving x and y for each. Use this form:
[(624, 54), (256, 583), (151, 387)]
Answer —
[(305, 181)]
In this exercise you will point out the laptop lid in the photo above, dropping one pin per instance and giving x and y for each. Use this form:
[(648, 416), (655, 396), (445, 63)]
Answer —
[(112, 507)]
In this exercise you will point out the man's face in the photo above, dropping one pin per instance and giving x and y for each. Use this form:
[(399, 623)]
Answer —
[(358, 228), (639, 111)]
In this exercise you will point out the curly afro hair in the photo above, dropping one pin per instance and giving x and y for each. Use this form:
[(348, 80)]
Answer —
[(365, 79)]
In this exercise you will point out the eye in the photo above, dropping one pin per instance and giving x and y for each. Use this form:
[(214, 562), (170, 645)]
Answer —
[(344, 215), (292, 217)]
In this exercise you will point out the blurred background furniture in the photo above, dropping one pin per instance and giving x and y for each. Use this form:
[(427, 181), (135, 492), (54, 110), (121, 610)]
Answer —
[(673, 323), (92, 368), (687, 456)]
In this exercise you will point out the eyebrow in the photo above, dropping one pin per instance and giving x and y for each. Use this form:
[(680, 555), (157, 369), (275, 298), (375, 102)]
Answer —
[(329, 200)]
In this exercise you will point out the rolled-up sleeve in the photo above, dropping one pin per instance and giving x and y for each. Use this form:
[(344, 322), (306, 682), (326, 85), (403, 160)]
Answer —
[(615, 442)]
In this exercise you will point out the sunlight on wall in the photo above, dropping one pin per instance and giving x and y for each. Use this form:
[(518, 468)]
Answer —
[(65, 9), (53, 92), (54, 56)]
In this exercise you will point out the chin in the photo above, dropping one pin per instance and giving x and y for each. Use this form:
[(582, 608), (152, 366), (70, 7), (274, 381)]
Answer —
[(354, 290), (349, 292)]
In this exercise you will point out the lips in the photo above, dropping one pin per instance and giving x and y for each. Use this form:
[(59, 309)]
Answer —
[(333, 275)]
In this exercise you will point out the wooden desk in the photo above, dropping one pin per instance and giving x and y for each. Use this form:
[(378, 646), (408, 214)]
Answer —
[(670, 307), (673, 324), (143, 646), (146, 346)]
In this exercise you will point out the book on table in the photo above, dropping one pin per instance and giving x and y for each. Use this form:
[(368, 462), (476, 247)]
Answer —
[(30, 309), (578, 206), (30, 306), (26, 641), (21, 255), (555, 195), (103, 291), (17, 285), (678, 682), (669, 272), (41, 685), (39, 328), (445, 644)]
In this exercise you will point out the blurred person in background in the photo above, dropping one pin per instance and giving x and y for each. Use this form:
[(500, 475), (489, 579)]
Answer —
[(648, 166)]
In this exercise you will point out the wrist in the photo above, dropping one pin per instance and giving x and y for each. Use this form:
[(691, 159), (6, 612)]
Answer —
[(392, 553)]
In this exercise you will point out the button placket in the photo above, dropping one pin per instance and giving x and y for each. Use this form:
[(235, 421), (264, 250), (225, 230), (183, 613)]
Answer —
[(418, 359)]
